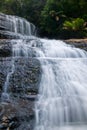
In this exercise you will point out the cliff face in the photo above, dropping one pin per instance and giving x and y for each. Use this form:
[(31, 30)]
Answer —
[(22, 77), (18, 112)]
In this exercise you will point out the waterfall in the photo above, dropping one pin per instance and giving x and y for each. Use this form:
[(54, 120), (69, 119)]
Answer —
[(17, 25), (5, 95), (62, 98), (20, 48)]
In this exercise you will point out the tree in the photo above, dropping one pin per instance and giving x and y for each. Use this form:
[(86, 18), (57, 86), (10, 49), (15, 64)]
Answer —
[(52, 17), (48, 15), (76, 24)]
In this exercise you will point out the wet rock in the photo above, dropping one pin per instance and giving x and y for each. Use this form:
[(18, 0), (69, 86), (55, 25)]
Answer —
[(9, 35), (26, 77), (4, 24), (2, 79), (17, 115), (5, 67), (13, 27), (29, 97), (79, 43), (8, 119), (5, 48), (3, 127)]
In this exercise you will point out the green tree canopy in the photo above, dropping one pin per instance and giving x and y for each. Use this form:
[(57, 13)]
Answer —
[(48, 15)]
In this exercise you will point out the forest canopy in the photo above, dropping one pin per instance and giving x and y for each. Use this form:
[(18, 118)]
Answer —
[(54, 18)]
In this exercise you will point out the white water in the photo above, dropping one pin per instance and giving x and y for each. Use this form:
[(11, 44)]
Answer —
[(5, 95), (20, 48), (17, 25), (62, 99)]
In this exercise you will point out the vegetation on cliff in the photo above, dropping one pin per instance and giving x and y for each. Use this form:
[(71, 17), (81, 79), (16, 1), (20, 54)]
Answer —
[(54, 18)]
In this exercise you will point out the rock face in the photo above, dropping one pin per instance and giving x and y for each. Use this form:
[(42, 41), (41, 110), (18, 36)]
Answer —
[(16, 115), (23, 82), (18, 112), (5, 48), (21, 74), (79, 43), (25, 78), (15, 27)]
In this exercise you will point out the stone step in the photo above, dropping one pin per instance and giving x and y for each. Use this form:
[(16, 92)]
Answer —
[(25, 78)]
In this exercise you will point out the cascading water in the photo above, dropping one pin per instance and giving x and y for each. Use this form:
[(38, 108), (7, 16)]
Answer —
[(17, 25), (5, 95), (19, 47), (62, 98)]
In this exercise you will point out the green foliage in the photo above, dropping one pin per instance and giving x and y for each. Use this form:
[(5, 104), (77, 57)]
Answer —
[(76, 24), (51, 16), (68, 25), (29, 9), (56, 15)]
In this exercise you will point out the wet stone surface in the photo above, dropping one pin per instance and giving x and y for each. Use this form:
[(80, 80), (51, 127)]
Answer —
[(26, 77), (18, 112), (17, 115), (79, 43), (5, 48)]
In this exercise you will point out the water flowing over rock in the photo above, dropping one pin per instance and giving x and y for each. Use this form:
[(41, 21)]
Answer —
[(19, 80), (15, 27), (20, 73), (62, 96), (78, 43), (43, 83)]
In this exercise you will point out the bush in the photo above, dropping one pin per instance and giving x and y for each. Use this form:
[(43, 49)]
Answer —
[(76, 24), (67, 25)]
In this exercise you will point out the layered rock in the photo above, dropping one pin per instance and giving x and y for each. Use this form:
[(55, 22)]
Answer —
[(17, 113), (5, 48), (23, 88), (14, 27), (79, 43)]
